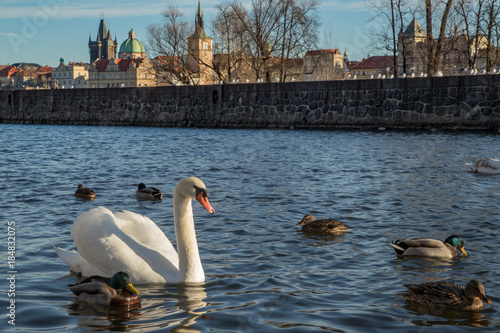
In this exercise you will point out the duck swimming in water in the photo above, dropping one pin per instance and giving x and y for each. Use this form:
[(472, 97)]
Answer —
[(427, 247), (117, 291), (85, 193), (448, 294), (325, 226), (151, 193)]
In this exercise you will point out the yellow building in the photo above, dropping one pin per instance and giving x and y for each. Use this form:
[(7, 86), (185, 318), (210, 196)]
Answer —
[(72, 75), (321, 65), (108, 73)]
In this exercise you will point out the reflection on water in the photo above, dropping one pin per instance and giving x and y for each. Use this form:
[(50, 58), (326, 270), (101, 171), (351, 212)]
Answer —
[(424, 316)]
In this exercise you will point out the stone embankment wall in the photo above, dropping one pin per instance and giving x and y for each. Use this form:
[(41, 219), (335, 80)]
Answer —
[(458, 103)]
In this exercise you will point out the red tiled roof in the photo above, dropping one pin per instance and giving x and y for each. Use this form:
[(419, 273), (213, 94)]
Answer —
[(44, 69), (375, 62), (322, 52), (9, 71)]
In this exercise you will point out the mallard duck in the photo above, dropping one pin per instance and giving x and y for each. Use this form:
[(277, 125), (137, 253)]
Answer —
[(485, 165), (85, 193), (326, 226), (145, 192), (117, 291), (427, 247), (448, 294)]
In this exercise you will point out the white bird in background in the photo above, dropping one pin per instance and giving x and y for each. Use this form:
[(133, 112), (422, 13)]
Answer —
[(471, 72), (485, 165), (108, 242), (493, 71), (402, 76), (482, 72), (411, 75), (438, 74)]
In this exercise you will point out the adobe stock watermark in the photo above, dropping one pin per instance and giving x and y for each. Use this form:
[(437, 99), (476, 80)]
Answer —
[(31, 26), (11, 272)]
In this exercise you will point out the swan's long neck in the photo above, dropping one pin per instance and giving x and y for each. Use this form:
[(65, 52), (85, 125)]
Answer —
[(190, 268)]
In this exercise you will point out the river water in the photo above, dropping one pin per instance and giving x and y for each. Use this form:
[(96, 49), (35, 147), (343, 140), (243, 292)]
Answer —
[(263, 274)]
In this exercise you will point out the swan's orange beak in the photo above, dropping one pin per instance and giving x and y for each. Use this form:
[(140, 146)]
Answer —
[(203, 199)]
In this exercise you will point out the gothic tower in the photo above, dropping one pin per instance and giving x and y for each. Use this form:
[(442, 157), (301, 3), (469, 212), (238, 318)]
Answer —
[(104, 47), (200, 53)]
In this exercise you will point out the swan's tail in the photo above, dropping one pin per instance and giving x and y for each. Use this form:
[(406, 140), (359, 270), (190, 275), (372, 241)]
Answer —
[(77, 263)]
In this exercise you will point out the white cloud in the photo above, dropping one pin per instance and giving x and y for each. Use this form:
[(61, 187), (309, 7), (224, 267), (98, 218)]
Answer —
[(77, 9), (8, 34)]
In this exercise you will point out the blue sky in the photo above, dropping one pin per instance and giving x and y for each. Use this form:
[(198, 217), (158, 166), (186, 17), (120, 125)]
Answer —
[(43, 31)]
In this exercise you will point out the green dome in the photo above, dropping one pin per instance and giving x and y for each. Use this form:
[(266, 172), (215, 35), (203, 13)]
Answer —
[(132, 45)]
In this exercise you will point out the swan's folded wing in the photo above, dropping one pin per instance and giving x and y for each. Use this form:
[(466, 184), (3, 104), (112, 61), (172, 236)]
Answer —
[(76, 263), (100, 240), (143, 230)]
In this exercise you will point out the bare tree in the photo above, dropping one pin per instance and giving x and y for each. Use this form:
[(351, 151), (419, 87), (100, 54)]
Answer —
[(276, 30), (490, 29), (229, 43), (167, 41), (299, 22), (435, 47), (471, 14), (392, 17)]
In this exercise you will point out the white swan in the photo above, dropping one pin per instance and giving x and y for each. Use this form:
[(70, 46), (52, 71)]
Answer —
[(485, 165), (126, 241)]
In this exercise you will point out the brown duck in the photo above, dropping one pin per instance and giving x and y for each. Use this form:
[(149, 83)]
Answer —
[(85, 193), (325, 226), (448, 294)]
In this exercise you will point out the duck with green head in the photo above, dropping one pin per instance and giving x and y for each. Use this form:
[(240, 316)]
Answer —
[(117, 291), (452, 247), (448, 294)]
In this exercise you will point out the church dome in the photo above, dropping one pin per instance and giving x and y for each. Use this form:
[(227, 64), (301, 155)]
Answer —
[(132, 45)]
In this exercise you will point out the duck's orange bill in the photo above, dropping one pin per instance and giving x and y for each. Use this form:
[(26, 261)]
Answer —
[(203, 199), (463, 251)]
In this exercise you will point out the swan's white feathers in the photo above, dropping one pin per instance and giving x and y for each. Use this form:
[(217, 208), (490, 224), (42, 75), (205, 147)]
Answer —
[(120, 242), (76, 263)]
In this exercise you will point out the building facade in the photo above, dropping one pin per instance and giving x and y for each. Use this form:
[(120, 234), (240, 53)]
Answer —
[(373, 67), (113, 73), (325, 64), (72, 75)]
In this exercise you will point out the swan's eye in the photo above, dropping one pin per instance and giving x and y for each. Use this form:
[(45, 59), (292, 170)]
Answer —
[(200, 190)]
